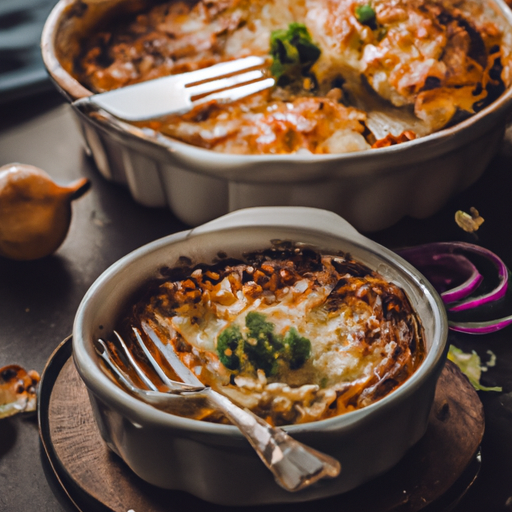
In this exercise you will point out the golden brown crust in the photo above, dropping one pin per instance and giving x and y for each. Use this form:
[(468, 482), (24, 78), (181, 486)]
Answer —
[(362, 333), (17, 390), (439, 60)]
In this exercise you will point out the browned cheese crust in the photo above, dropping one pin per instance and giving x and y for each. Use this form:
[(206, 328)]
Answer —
[(341, 336), (437, 61)]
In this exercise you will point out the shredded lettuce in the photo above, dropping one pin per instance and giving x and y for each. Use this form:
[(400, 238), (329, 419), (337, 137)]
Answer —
[(293, 53), (471, 366)]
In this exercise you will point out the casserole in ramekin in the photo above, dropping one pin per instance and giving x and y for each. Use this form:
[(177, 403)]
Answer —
[(214, 461), (372, 189)]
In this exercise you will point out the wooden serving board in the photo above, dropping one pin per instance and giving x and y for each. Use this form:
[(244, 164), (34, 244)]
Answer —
[(96, 479)]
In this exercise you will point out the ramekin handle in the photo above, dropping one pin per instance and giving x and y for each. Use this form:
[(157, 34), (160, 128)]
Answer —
[(293, 216)]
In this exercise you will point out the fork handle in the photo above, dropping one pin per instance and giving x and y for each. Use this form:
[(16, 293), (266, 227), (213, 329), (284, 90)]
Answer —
[(293, 464)]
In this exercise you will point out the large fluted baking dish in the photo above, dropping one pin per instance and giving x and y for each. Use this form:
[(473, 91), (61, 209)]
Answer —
[(214, 461), (372, 189)]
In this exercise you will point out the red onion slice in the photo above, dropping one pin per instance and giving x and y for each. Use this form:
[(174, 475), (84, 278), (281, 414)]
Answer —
[(481, 327), (425, 255), (462, 291)]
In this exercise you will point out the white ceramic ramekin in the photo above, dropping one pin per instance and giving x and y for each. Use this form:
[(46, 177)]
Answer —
[(214, 461), (371, 189)]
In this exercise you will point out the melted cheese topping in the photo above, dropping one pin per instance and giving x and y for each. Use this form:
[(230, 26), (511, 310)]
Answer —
[(357, 334), (422, 63)]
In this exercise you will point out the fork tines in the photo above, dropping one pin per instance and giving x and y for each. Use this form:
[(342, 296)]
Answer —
[(223, 77), (121, 364), (178, 94)]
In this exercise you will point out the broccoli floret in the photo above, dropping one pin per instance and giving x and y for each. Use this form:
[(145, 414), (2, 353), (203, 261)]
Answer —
[(262, 345), (365, 14), (297, 349), (293, 53), (228, 345), (258, 326), (262, 348)]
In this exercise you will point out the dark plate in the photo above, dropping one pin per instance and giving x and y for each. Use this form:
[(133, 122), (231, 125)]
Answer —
[(433, 476)]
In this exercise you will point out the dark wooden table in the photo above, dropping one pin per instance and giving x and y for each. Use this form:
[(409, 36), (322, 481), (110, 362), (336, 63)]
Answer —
[(38, 299)]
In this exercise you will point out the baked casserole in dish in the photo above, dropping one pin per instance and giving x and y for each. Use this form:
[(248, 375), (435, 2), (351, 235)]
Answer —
[(288, 311), (290, 333), (368, 98), (436, 61)]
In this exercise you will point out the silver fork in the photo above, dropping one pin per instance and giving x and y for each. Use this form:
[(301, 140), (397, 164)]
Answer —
[(294, 465), (178, 94)]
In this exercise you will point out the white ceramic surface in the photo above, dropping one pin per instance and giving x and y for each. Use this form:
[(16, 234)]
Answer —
[(214, 461), (372, 189)]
